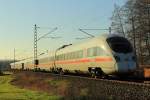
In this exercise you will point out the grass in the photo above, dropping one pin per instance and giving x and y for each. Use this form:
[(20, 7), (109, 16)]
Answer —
[(65, 88), (60, 87), (10, 92)]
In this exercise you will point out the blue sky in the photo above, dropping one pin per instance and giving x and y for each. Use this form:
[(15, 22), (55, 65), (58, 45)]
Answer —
[(17, 19)]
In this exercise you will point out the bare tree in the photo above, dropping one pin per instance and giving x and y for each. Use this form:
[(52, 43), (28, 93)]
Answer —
[(135, 23), (117, 21)]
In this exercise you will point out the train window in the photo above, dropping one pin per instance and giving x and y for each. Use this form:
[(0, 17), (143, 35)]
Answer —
[(119, 44), (73, 55), (46, 59), (61, 57), (77, 53), (100, 52), (80, 54), (90, 52), (70, 55), (58, 57), (66, 57), (52, 58), (95, 51)]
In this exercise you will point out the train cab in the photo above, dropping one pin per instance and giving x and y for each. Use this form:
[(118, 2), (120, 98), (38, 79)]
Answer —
[(123, 54)]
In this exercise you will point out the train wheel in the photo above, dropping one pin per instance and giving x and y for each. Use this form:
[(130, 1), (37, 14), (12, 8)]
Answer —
[(95, 72), (61, 72)]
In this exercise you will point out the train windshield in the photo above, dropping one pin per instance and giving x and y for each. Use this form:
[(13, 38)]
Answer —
[(119, 44)]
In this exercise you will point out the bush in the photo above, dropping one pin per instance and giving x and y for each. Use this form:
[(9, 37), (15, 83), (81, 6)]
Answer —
[(1, 73)]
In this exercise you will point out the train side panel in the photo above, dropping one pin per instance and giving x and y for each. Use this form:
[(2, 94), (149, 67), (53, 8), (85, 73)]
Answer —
[(103, 59)]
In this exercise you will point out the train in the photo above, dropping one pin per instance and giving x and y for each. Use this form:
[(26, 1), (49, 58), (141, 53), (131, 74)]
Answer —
[(105, 55)]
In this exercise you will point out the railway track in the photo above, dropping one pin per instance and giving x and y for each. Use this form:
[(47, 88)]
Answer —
[(129, 80), (113, 79), (97, 88)]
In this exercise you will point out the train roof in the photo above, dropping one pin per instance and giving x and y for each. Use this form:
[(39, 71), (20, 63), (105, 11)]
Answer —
[(75, 46), (89, 42), (100, 37)]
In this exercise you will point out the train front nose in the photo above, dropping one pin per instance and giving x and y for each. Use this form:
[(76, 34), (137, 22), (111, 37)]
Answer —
[(123, 52), (125, 63)]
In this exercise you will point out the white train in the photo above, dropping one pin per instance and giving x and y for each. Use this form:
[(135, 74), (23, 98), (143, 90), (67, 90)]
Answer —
[(103, 55)]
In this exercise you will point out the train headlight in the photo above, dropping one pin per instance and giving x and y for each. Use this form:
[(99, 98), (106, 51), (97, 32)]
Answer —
[(117, 58)]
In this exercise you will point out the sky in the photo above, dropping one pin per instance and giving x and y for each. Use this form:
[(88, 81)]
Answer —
[(18, 17)]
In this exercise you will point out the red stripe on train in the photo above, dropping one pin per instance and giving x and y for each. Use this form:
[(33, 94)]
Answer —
[(79, 61), (103, 59), (85, 61)]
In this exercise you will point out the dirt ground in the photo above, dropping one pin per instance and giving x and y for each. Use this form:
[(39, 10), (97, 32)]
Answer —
[(69, 88), (44, 82)]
